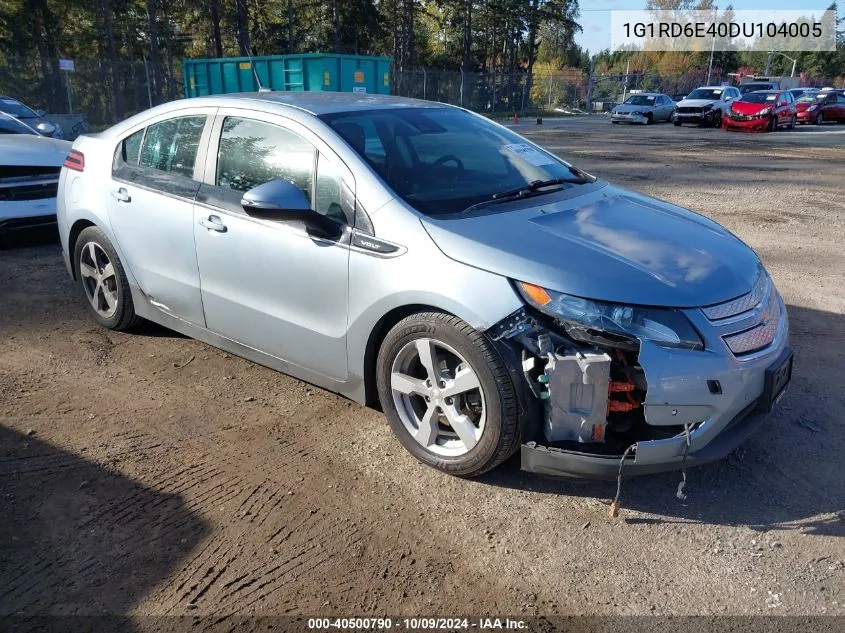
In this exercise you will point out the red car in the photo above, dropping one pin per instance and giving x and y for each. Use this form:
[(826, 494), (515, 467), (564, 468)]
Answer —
[(828, 105), (761, 110)]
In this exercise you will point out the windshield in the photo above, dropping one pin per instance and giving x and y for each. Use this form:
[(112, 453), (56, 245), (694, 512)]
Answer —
[(16, 108), (444, 160), (752, 87), (759, 97), (9, 125), (641, 100), (810, 97), (711, 94)]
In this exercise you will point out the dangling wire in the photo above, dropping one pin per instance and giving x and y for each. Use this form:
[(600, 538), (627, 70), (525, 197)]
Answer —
[(614, 506), (681, 494)]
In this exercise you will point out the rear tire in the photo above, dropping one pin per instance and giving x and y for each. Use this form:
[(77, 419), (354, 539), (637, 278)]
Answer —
[(102, 281), (456, 412)]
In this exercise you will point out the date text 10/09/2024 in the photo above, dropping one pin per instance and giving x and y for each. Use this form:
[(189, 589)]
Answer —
[(417, 624)]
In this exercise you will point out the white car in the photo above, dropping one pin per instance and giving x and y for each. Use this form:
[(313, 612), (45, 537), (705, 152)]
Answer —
[(29, 177), (705, 105)]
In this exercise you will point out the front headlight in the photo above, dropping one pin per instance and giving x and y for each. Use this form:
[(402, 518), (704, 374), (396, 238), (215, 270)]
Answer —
[(764, 112), (611, 323), (637, 113), (812, 107), (709, 106)]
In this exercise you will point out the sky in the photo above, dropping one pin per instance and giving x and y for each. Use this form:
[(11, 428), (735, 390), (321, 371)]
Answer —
[(595, 15)]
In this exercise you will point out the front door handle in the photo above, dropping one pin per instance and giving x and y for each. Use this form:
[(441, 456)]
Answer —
[(121, 195), (213, 223)]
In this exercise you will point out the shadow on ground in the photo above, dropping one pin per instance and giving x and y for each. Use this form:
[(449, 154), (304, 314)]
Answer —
[(95, 542), (788, 476)]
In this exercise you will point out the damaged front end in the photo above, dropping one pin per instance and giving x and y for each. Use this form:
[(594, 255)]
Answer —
[(652, 390)]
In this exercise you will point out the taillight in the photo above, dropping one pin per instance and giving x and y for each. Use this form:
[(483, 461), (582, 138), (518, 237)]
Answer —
[(75, 161)]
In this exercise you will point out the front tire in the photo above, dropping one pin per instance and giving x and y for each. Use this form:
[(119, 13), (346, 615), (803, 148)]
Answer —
[(676, 122), (447, 394), (773, 124), (820, 119), (102, 281), (717, 119)]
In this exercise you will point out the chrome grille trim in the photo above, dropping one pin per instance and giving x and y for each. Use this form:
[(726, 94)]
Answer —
[(761, 335), (740, 304)]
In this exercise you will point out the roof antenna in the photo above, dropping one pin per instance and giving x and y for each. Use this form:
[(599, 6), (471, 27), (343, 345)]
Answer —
[(255, 74)]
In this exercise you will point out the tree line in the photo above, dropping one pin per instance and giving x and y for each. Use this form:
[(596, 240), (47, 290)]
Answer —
[(117, 43)]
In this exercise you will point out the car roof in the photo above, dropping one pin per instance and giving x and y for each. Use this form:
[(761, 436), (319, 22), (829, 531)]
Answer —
[(318, 103), (648, 94)]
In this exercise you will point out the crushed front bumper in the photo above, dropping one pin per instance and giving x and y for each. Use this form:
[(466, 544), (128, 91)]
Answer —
[(699, 118), (629, 118), (756, 124), (722, 398)]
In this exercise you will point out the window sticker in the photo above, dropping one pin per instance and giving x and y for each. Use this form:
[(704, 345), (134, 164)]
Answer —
[(529, 154), (770, 97)]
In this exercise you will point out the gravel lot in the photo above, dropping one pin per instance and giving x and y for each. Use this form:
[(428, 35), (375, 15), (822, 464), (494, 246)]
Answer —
[(147, 473)]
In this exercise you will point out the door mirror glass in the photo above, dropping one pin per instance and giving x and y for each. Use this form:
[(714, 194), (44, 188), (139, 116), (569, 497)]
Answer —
[(280, 196), (46, 128)]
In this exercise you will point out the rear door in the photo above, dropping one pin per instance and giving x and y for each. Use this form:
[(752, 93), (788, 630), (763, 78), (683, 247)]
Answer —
[(839, 112), (155, 178), (271, 284)]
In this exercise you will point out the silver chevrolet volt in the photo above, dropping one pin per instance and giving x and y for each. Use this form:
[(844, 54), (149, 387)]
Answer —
[(491, 296)]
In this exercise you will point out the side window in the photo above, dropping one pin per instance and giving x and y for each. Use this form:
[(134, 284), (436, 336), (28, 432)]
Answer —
[(362, 135), (252, 153), (327, 198), (172, 145), (132, 147), (840, 98)]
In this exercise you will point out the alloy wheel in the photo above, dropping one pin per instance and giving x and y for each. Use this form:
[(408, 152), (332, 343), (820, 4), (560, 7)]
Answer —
[(819, 118), (98, 279), (438, 397)]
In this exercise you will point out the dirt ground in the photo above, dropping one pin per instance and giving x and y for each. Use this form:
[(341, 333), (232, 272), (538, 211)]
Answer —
[(146, 473)]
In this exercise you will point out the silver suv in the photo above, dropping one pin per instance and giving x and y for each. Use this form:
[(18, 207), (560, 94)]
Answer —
[(490, 295)]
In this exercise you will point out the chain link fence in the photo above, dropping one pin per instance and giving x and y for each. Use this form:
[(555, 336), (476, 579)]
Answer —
[(98, 93), (92, 96)]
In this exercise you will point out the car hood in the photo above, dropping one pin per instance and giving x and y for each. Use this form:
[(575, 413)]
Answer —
[(609, 244), (696, 103), (746, 107), (28, 149)]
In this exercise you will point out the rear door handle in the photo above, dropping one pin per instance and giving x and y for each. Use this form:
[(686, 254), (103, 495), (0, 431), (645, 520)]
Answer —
[(213, 223), (121, 195)]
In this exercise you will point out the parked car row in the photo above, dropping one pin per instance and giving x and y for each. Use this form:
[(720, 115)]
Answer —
[(736, 107)]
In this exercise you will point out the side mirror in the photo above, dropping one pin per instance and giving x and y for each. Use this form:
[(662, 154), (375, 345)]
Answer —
[(729, 98), (283, 200), (277, 197), (41, 112), (46, 128)]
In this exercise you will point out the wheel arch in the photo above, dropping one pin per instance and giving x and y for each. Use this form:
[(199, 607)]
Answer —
[(374, 341), (75, 230)]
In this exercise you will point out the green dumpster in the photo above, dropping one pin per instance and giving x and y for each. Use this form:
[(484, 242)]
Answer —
[(310, 71)]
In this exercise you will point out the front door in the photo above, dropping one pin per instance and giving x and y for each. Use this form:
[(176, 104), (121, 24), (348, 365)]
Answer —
[(150, 205), (268, 283)]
